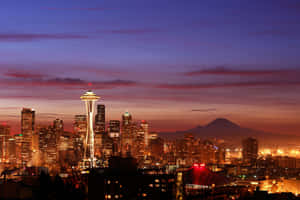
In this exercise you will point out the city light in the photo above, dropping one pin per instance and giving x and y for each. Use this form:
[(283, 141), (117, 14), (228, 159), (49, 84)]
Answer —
[(199, 165)]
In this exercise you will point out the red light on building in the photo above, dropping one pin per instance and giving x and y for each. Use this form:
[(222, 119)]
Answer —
[(90, 84), (195, 165), (199, 165)]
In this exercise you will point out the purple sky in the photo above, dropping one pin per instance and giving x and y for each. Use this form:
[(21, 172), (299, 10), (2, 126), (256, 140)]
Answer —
[(177, 64)]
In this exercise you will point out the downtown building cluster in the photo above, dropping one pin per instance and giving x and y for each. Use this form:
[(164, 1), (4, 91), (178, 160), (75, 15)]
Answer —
[(53, 147)]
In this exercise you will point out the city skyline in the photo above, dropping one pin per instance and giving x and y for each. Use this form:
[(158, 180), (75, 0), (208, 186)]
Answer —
[(172, 69), (157, 99)]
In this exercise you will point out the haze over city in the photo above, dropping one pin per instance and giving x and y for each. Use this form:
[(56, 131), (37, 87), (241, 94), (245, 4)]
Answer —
[(233, 59)]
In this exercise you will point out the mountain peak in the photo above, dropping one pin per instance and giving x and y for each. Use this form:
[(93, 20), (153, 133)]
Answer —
[(222, 122)]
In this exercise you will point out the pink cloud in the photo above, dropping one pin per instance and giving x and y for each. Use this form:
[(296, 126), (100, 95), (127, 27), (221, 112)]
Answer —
[(23, 74), (70, 83)]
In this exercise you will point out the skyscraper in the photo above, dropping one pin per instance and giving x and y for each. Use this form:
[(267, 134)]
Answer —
[(48, 145), (11, 149), (89, 98), (4, 138), (58, 125), (126, 119), (139, 144), (127, 134), (250, 150), (100, 119), (114, 133), (80, 127), (114, 128), (80, 124), (66, 150), (145, 127), (27, 130), (99, 129), (18, 140)]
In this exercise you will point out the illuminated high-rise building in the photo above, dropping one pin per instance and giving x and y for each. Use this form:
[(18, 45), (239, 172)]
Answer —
[(114, 133), (126, 119), (27, 130), (18, 140), (100, 119), (48, 145), (250, 150), (65, 142), (107, 146), (80, 125), (127, 134), (145, 127), (4, 138), (139, 144), (11, 149), (98, 144), (114, 128), (35, 149), (78, 147), (89, 98), (99, 129), (58, 125), (66, 150)]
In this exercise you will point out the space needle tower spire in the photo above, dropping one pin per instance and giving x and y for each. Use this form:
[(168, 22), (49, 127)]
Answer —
[(89, 98)]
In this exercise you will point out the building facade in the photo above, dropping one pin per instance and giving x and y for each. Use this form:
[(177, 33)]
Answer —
[(4, 140), (27, 131), (100, 119), (250, 150), (127, 135)]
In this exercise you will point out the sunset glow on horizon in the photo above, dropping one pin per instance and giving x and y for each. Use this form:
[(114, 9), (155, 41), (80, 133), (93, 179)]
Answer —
[(151, 59)]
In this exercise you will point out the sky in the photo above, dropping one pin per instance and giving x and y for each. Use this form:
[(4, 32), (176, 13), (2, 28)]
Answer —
[(175, 63)]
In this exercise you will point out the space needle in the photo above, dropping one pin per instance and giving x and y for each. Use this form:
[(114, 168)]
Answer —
[(89, 158)]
